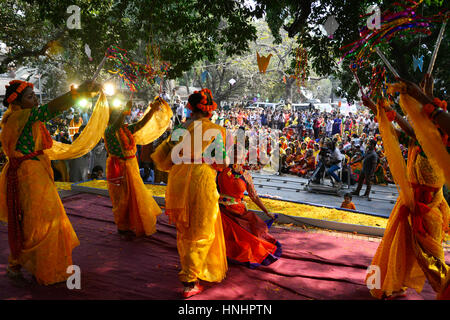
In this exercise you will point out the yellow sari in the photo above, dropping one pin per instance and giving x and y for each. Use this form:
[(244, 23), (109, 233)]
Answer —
[(192, 203), (411, 249), (133, 205), (47, 236)]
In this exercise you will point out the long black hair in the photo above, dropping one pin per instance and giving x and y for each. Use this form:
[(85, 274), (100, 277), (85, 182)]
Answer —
[(10, 89)]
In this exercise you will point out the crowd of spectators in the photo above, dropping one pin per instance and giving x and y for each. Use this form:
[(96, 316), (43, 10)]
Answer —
[(303, 137)]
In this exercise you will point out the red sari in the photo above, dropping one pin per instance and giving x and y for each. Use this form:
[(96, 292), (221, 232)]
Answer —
[(247, 237)]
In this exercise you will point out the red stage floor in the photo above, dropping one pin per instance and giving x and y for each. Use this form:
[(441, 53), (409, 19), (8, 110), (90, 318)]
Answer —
[(313, 265)]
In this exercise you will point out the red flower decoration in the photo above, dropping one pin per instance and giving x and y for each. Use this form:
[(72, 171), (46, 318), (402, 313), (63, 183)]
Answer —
[(23, 86), (428, 109)]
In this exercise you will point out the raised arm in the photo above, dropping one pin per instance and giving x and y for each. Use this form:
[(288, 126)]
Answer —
[(87, 89), (404, 125), (154, 106), (424, 94)]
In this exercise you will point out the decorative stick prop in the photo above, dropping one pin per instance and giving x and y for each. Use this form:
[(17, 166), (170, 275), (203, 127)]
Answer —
[(99, 68), (436, 48), (386, 62), (357, 80)]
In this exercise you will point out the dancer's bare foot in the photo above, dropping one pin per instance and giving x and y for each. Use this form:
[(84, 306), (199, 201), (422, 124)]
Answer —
[(126, 235), (192, 290), (15, 275), (14, 272), (396, 295)]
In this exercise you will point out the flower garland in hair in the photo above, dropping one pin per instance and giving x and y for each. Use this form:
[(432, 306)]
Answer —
[(206, 104), (23, 86)]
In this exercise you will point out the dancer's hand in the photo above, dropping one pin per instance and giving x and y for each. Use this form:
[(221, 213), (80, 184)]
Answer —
[(156, 104), (416, 92), (271, 215)]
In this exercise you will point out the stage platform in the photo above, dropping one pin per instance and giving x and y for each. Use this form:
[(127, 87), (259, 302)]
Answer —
[(288, 187), (314, 265)]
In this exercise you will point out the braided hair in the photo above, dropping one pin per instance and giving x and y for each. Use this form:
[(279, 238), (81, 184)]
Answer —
[(15, 91)]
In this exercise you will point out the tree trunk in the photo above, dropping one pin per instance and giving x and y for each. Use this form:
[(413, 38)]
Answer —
[(186, 78), (288, 89)]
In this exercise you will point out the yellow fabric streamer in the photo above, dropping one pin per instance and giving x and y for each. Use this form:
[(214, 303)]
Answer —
[(156, 126), (397, 163), (426, 133), (88, 138)]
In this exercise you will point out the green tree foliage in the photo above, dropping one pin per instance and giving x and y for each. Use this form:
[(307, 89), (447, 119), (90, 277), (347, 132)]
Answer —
[(191, 31), (186, 31), (302, 19)]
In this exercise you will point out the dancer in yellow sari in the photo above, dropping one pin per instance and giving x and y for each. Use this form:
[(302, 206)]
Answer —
[(192, 199), (134, 208), (411, 250), (41, 237)]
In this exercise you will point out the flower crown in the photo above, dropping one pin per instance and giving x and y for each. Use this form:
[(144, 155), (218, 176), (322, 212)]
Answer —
[(206, 104), (23, 86)]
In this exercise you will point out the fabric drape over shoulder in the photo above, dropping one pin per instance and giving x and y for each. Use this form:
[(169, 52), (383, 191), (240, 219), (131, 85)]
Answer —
[(156, 126), (88, 138), (395, 158)]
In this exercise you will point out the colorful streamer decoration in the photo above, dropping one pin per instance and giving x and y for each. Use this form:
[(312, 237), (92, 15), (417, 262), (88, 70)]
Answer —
[(132, 73), (377, 83), (393, 24), (301, 67), (263, 62), (354, 68)]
